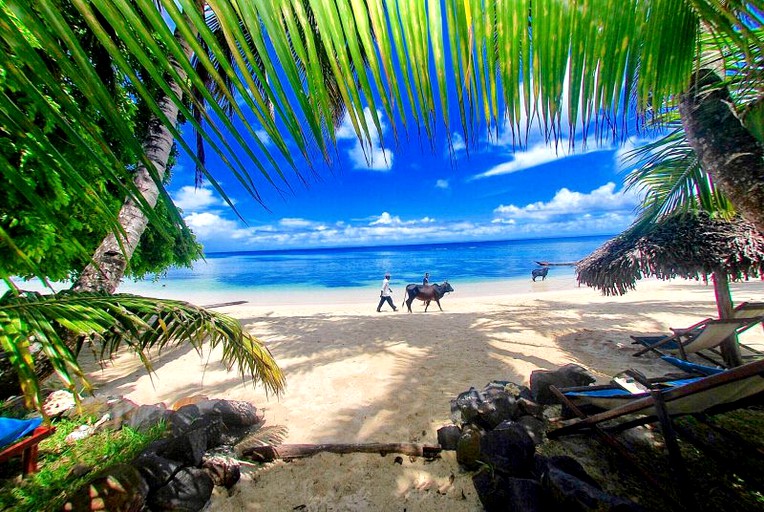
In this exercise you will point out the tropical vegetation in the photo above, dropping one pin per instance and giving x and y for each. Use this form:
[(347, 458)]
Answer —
[(505, 62)]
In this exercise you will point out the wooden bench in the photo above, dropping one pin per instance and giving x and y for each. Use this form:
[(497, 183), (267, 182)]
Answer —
[(27, 448)]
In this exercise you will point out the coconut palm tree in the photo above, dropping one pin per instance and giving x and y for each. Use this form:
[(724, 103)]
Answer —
[(590, 62), (507, 58)]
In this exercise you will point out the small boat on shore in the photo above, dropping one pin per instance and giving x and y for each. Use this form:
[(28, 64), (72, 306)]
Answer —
[(549, 264)]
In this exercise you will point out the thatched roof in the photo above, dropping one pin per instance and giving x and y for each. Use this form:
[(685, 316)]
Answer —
[(691, 246)]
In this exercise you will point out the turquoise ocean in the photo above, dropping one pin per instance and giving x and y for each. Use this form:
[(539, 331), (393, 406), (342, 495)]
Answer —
[(237, 273)]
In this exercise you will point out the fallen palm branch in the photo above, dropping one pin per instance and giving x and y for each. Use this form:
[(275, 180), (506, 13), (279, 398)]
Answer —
[(300, 451)]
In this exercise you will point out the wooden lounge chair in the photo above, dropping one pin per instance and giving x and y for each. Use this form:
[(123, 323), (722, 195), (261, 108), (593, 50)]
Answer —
[(752, 310), (723, 391), (22, 444), (704, 335), (620, 392)]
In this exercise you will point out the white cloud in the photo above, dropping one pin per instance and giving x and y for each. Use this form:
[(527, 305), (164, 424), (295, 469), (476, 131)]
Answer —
[(441, 184), (211, 226), (362, 155), (220, 234), (537, 155), (192, 199), (457, 142), (566, 203), (295, 223)]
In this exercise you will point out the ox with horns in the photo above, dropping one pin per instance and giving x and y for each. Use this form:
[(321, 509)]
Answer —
[(426, 293)]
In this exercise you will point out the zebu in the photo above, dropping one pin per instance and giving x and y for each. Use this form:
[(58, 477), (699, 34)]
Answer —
[(426, 293)]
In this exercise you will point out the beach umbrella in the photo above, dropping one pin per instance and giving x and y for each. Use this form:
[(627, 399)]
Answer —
[(690, 245)]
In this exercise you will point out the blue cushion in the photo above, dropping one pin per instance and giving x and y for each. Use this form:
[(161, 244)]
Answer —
[(692, 367), (12, 429)]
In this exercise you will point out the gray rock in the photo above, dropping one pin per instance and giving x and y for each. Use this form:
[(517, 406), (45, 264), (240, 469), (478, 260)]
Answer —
[(119, 488), (468, 447), (187, 448), (465, 408), (508, 449), (182, 420), (188, 491), (529, 407), (568, 376), (500, 493), (572, 494), (224, 471), (237, 413), (534, 427), (156, 470), (448, 437), (572, 467), (148, 416)]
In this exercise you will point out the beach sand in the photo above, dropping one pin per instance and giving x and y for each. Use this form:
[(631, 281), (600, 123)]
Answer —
[(354, 375)]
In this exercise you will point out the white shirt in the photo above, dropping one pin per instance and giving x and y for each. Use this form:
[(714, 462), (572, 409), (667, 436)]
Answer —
[(386, 291)]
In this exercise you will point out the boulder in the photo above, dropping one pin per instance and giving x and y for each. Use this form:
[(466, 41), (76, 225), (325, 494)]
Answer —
[(224, 471), (156, 470), (119, 488), (575, 495), (448, 437), (147, 416), (187, 448), (534, 427), (508, 449), (188, 491), (569, 375), (465, 408), (500, 493), (468, 447)]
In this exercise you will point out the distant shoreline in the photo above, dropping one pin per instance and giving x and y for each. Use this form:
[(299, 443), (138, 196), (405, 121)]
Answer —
[(301, 295), (215, 254)]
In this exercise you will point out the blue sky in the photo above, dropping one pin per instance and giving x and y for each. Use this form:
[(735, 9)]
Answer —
[(413, 191), (409, 193)]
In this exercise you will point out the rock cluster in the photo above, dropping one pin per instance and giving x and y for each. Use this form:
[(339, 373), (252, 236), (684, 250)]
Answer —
[(177, 472), (495, 433)]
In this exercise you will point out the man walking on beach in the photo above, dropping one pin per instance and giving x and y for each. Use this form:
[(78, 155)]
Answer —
[(386, 294), (426, 279)]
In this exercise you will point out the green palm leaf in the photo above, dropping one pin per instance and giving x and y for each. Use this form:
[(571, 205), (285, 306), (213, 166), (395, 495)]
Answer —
[(669, 175), (31, 321)]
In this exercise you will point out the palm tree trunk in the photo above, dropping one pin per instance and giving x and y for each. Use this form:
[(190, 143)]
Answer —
[(105, 271), (726, 149)]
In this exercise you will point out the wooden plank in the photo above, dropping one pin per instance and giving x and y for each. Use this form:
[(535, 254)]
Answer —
[(298, 451)]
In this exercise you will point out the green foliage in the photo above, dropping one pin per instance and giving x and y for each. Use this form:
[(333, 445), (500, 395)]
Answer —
[(48, 489), (670, 177), (31, 322), (59, 250)]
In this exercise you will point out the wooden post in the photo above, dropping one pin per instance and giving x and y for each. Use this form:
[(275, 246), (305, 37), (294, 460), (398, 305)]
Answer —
[(672, 445), (730, 348)]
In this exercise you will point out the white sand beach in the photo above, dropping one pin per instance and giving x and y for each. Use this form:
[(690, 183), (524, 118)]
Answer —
[(354, 375)]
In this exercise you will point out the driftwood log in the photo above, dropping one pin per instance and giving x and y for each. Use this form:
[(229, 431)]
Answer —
[(299, 451)]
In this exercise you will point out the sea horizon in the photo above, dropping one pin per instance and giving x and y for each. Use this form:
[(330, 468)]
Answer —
[(414, 245), (347, 274), (337, 274)]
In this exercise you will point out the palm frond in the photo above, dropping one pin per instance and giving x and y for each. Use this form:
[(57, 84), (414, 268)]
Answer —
[(671, 178), (505, 60), (31, 322)]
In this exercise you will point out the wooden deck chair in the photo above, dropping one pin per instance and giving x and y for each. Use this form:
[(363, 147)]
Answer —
[(752, 310), (704, 335), (16, 432), (622, 390), (723, 391)]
